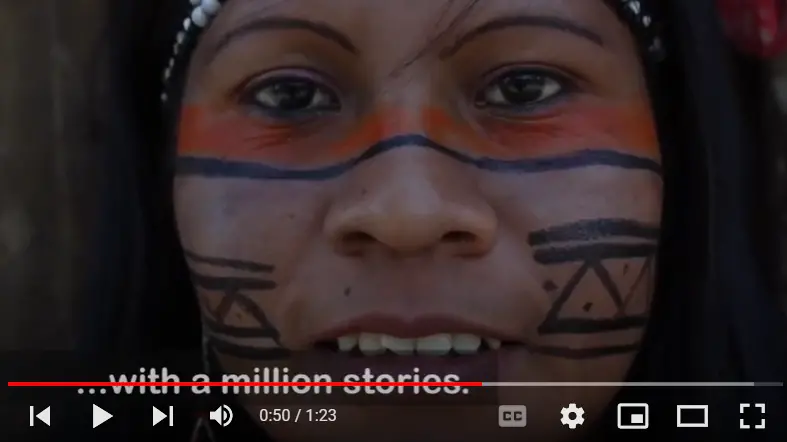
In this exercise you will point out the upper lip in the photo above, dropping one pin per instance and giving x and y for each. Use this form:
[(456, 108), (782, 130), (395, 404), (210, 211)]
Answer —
[(416, 327)]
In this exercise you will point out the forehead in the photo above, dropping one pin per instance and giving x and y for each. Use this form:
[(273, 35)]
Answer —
[(402, 22)]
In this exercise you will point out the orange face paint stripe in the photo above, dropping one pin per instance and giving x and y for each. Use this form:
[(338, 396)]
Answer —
[(251, 138), (627, 129), (241, 137), (549, 144)]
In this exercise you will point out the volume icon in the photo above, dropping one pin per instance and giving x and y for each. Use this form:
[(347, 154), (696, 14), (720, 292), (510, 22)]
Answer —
[(222, 415), (159, 416)]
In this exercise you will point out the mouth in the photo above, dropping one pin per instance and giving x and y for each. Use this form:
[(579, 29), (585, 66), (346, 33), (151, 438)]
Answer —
[(438, 344), (428, 336), (382, 348)]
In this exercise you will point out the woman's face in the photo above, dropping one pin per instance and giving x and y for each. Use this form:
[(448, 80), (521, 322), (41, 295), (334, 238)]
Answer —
[(401, 184)]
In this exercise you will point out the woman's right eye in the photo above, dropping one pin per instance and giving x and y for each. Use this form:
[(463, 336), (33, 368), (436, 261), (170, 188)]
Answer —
[(292, 96)]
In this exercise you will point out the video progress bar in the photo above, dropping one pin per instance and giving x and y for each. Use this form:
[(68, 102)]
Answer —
[(635, 384)]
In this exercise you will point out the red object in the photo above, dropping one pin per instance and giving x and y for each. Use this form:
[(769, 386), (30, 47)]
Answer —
[(247, 384), (757, 27)]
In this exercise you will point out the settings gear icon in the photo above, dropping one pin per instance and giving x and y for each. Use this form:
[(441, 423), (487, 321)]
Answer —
[(573, 416)]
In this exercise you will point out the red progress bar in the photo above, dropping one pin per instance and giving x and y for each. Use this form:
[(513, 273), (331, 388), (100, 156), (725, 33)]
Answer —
[(245, 384)]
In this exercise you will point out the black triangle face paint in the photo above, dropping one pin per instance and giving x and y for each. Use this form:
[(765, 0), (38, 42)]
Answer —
[(612, 257)]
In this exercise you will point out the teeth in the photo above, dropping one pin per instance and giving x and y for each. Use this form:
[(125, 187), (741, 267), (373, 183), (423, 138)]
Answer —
[(347, 343), (466, 344), (493, 343), (400, 346), (440, 344), (437, 345), (371, 344)]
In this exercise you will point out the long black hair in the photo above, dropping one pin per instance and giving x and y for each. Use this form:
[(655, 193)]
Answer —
[(715, 316)]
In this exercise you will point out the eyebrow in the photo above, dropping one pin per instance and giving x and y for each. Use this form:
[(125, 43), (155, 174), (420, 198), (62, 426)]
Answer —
[(498, 24), (269, 24)]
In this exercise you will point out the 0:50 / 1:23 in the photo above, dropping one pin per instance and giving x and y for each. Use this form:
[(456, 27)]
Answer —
[(297, 415)]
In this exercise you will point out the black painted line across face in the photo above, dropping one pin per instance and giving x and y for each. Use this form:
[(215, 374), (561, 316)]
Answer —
[(216, 167)]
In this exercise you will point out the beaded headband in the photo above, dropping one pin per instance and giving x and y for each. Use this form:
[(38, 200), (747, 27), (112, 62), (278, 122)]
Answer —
[(635, 12)]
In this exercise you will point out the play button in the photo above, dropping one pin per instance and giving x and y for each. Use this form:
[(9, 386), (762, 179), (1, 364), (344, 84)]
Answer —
[(99, 416)]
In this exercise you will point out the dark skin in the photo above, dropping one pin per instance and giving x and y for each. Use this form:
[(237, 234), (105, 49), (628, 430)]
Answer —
[(503, 180)]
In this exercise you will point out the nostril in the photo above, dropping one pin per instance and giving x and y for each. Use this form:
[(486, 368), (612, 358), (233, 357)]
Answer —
[(456, 236), (358, 238), (354, 243)]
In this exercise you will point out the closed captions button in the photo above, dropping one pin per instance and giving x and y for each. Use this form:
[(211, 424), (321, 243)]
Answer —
[(512, 416)]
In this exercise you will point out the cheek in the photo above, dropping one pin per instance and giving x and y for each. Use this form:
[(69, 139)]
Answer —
[(626, 127), (551, 198), (259, 221), (595, 297), (231, 135)]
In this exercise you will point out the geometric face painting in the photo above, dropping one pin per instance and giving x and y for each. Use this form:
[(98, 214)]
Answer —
[(233, 292), (613, 257)]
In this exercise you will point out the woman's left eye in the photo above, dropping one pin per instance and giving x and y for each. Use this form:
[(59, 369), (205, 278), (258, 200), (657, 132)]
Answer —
[(519, 89)]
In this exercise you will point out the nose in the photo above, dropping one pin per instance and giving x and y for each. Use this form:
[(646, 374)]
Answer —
[(410, 202)]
